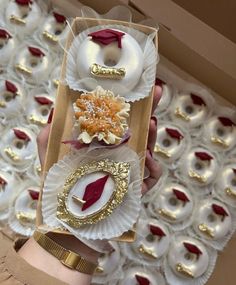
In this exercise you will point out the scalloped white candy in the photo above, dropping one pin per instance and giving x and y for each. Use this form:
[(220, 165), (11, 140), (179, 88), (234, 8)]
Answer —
[(8, 47), (121, 219), (128, 278), (39, 66), (197, 113), (25, 151), (202, 267), (55, 77), (14, 103), (37, 113), (173, 147), (24, 204), (32, 15), (34, 172), (167, 201), (225, 186), (143, 57)]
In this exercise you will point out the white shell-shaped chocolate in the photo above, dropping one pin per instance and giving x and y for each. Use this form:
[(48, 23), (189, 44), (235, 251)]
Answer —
[(7, 47)]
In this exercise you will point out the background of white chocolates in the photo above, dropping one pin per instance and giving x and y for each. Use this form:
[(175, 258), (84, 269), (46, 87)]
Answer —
[(25, 106)]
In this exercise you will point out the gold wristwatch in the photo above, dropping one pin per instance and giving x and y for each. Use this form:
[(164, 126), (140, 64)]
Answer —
[(68, 258)]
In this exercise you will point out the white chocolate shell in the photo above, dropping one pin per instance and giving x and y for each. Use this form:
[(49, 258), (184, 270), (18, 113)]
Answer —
[(8, 45)]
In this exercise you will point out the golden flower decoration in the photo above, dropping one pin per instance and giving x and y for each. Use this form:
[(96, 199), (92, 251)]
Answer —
[(102, 115)]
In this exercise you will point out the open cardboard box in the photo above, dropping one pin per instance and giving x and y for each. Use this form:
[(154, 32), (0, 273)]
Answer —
[(62, 123)]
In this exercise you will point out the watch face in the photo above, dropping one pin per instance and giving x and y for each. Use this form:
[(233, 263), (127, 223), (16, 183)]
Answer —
[(92, 192)]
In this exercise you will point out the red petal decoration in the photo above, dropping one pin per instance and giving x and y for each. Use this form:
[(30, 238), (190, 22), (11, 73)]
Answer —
[(10, 87), (174, 134), (24, 2), (107, 36), (59, 18), (203, 156), (3, 182), (34, 194), (192, 248), (36, 51), (93, 192), (159, 82), (197, 100), (226, 122), (156, 231), (142, 280), (180, 195), (219, 210), (4, 34), (43, 100), (21, 135), (234, 170)]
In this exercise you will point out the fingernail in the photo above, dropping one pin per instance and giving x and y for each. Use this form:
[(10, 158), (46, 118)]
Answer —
[(154, 118), (150, 152), (50, 116)]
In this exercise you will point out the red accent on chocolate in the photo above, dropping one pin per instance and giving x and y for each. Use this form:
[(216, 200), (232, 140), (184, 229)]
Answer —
[(21, 135), (197, 100), (34, 194), (43, 100), (203, 156), (192, 248), (159, 82), (107, 36), (93, 192), (24, 2), (219, 210), (59, 18), (4, 34), (3, 182), (174, 134), (226, 122), (10, 87), (156, 231), (180, 195), (36, 51), (142, 280)]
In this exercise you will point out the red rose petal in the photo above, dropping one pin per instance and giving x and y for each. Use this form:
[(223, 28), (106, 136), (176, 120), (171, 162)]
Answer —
[(203, 156), (142, 280), (180, 195), (59, 18), (197, 100), (36, 51), (107, 36), (4, 34), (43, 100), (3, 182), (192, 248), (219, 210), (174, 133), (24, 2), (21, 135), (226, 122), (93, 192), (156, 231), (10, 87), (159, 82), (33, 194)]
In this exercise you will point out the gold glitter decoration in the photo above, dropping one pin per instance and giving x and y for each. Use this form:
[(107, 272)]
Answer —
[(23, 69), (107, 72), (2, 104), (11, 154), (147, 251), (184, 270), (26, 218), (56, 82), (50, 37), (230, 192), (120, 174), (35, 120), (99, 269), (206, 230), (16, 20), (220, 142), (167, 214), (196, 176), (181, 115), (162, 152)]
